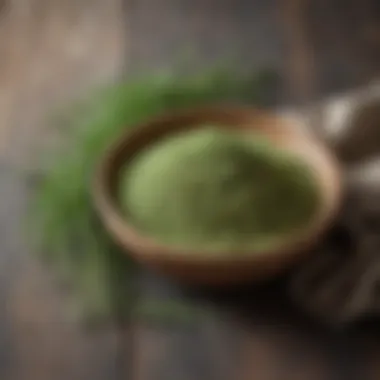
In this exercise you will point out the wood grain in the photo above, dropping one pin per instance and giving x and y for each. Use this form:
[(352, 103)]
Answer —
[(52, 51)]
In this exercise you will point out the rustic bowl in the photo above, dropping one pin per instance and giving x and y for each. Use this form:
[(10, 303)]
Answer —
[(197, 267)]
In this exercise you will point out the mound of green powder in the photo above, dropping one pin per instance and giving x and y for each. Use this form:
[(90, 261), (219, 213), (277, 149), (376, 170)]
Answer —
[(218, 190)]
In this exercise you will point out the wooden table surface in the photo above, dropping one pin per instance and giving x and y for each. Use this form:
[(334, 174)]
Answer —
[(50, 51)]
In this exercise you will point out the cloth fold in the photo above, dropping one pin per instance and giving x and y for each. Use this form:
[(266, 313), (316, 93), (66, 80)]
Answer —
[(340, 282)]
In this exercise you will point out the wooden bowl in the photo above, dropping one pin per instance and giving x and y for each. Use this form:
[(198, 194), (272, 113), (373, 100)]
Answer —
[(196, 267)]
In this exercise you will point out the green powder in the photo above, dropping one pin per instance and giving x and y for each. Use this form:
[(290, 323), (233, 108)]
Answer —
[(218, 190)]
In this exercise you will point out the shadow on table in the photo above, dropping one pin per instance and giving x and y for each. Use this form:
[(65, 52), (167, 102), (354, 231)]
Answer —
[(268, 307)]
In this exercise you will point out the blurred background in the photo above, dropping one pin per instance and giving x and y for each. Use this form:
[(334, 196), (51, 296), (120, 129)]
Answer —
[(53, 52)]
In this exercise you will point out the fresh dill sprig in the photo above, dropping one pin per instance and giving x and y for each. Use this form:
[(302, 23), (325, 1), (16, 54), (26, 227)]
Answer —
[(63, 220)]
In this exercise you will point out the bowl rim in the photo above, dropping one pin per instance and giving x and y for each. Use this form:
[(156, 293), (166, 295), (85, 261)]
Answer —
[(149, 248)]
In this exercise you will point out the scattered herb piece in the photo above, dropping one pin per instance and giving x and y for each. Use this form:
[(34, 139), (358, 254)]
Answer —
[(62, 218)]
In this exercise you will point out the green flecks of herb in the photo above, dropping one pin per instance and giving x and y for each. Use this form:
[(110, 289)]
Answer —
[(61, 216)]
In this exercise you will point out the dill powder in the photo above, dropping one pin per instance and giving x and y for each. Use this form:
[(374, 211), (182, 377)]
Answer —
[(217, 190)]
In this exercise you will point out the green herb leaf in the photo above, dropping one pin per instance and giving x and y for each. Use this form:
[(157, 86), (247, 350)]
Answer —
[(62, 218)]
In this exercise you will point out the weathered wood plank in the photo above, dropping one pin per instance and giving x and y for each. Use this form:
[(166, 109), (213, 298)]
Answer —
[(52, 50)]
